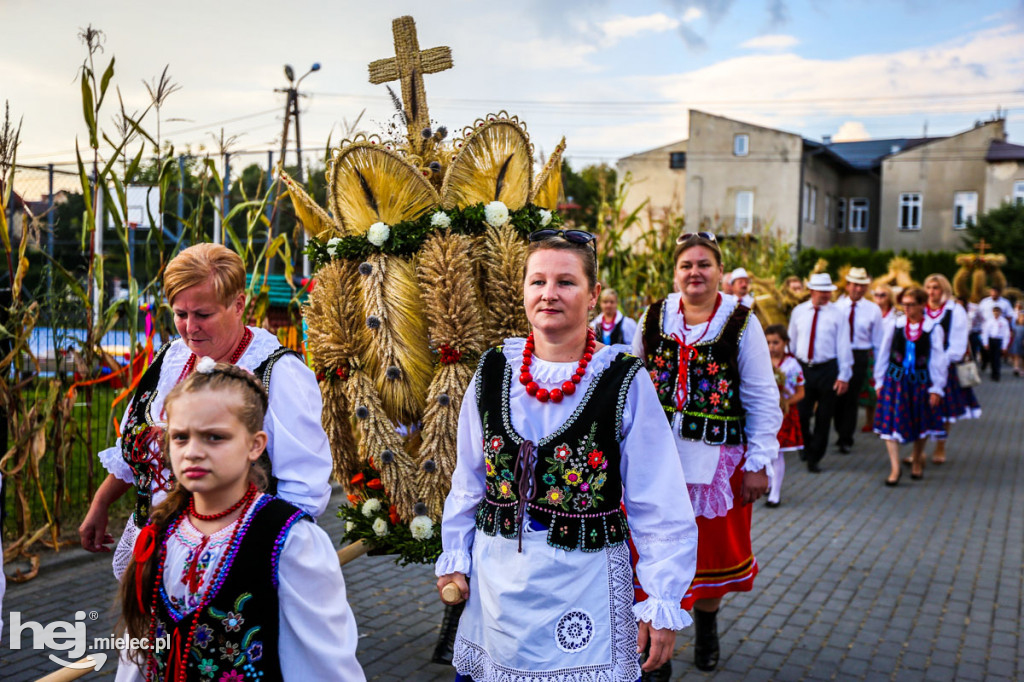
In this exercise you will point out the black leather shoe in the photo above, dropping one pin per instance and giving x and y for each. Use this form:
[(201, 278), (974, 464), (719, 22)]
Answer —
[(770, 504), (705, 649), (445, 648), (844, 449), (662, 674), (813, 467)]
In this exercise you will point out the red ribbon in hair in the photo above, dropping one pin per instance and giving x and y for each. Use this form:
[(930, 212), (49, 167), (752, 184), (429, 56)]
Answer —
[(145, 545)]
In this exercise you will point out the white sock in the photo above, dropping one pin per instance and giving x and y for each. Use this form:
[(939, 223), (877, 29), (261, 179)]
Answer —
[(779, 465)]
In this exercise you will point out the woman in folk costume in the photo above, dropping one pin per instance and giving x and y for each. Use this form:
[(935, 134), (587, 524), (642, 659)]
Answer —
[(611, 325), (562, 432), (958, 402), (205, 287), (911, 374), (238, 585), (710, 363)]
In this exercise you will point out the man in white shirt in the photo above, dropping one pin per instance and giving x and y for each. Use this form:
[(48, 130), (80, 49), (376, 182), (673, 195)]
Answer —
[(819, 337), (741, 287), (985, 307), (865, 320), (995, 336)]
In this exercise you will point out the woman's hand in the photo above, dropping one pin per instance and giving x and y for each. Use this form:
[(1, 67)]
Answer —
[(755, 484), (93, 531), (662, 643), (459, 580), (934, 399)]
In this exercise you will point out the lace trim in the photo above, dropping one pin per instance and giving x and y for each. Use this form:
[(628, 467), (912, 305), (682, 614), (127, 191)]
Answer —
[(656, 539), (471, 659), (715, 499), (557, 372), (453, 561), (670, 313), (114, 463), (662, 614)]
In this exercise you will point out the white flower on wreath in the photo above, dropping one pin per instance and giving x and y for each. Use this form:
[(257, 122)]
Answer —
[(378, 234), (496, 214), (371, 507), (440, 219), (349, 526), (422, 528), (545, 217), (380, 527), (332, 245)]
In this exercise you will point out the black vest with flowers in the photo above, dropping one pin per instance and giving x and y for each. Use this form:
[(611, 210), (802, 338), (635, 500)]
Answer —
[(922, 354), (238, 628), (713, 412), (142, 433), (577, 485)]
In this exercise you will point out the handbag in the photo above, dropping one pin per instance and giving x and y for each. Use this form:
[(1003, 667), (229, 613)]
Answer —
[(967, 373)]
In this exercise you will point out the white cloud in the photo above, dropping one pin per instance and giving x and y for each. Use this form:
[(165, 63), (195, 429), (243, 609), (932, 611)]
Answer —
[(692, 14), (620, 27), (776, 41), (851, 131)]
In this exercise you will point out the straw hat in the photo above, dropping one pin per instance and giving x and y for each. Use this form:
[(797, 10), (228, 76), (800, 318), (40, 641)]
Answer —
[(821, 281)]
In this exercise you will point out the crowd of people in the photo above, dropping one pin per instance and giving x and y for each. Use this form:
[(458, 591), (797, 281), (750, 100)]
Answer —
[(606, 474)]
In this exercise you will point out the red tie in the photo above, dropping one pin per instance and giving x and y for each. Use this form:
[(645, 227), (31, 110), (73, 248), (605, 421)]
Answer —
[(853, 306), (810, 342)]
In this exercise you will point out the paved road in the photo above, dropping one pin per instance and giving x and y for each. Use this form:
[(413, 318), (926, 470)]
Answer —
[(858, 581)]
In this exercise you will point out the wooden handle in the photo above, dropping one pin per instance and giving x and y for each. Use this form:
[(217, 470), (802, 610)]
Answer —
[(352, 551), (451, 594), (68, 674)]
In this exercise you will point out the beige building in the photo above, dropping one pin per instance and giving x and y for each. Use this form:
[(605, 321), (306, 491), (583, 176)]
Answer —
[(657, 182), (898, 193)]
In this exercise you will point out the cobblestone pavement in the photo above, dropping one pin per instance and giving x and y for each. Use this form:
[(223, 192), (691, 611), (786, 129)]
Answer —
[(858, 581)]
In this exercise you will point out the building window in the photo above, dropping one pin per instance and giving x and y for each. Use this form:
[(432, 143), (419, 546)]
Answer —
[(677, 160), (1018, 192), (744, 222), (814, 203), (827, 218), (840, 215), (859, 214), (910, 211), (741, 144), (810, 202), (965, 209)]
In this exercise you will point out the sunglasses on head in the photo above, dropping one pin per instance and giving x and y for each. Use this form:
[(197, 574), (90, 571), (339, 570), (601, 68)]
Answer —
[(687, 236), (574, 236)]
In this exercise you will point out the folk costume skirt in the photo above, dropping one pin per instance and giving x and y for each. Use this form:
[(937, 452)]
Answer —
[(547, 615), (791, 437), (725, 558), (903, 413), (957, 402)]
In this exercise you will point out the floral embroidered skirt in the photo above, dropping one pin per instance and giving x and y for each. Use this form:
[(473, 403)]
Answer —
[(547, 615), (903, 412), (790, 435), (725, 559), (868, 396), (958, 402)]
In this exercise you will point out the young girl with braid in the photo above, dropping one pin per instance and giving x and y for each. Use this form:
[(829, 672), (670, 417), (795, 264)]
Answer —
[(241, 584)]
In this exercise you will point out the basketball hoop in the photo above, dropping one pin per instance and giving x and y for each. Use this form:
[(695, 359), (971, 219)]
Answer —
[(132, 225)]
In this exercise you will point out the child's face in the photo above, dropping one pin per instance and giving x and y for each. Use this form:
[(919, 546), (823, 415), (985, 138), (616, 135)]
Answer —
[(776, 345), (211, 450)]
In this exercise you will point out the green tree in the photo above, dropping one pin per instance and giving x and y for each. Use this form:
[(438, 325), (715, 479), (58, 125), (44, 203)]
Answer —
[(586, 191), (1003, 230)]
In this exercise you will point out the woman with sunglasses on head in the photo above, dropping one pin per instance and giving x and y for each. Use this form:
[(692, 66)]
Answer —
[(710, 363), (557, 433), (883, 295)]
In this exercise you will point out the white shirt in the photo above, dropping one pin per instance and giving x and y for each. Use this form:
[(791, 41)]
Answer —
[(867, 322), (996, 329), (987, 303), (748, 300), (317, 637), (628, 327), (831, 339), (654, 490), (936, 359), (759, 392), (959, 330), (296, 442)]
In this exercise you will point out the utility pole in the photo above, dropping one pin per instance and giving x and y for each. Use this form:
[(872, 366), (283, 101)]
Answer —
[(291, 109)]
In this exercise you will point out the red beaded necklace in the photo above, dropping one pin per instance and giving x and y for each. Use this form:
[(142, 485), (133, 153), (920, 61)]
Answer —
[(190, 365), (249, 494), (910, 334), (938, 311), (555, 395), (607, 326)]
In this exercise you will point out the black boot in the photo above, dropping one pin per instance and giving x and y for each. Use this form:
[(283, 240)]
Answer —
[(662, 674), (705, 649), (445, 648)]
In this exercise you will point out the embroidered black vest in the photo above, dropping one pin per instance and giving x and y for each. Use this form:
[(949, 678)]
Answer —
[(922, 352), (577, 485), (947, 324), (615, 336), (713, 412), (238, 628), (142, 432)]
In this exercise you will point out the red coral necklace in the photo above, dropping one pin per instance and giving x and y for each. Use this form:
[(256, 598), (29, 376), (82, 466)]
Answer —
[(555, 395), (190, 365)]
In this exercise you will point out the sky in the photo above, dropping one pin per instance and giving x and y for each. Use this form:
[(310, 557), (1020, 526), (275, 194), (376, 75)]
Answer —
[(613, 77)]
